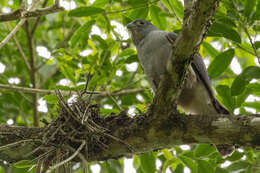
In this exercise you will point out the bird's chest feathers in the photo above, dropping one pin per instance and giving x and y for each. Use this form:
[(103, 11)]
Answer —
[(154, 50)]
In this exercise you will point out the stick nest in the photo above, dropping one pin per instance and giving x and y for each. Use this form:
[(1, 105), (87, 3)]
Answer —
[(78, 131)]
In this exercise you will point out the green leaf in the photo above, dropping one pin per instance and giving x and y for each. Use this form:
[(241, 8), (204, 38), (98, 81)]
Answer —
[(225, 93), (23, 164), (178, 7), (254, 88), (132, 58), (210, 49), (223, 30), (180, 169), (68, 72), (235, 156), (51, 99), (254, 105), (189, 163), (139, 13), (65, 88), (220, 170), (159, 21), (257, 12), (204, 166), (148, 162), (174, 162), (257, 44), (204, 150), (242, 80), (100, 3), (249, 8), (83, 30), (111, 166), (85, 11), (127, 52), (136, 3), (220, 63), (237, 166)]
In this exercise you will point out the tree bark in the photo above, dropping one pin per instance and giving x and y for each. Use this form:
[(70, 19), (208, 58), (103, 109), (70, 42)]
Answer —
[(140, 134)]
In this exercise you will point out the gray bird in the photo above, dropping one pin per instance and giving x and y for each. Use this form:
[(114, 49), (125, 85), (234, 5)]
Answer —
[(154, 47)]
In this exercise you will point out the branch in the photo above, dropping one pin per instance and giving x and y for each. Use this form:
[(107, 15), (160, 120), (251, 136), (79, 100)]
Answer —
[(97, 94), (142, 133), (10, 35), (22, 14), (252, 44), (33, 73), (20, 50)]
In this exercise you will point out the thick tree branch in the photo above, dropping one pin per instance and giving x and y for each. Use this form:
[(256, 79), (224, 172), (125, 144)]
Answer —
[(141, 134), (22, 14)]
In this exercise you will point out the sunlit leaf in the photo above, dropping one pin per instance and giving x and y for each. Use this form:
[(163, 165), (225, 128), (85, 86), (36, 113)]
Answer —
[(210, 49), (139, 13), (243, 79), (23, 164), (51, 99), (225, 93), (238, 166), (249, 8), (204, 166), (83, 30), (223, 30), (204, 150), (189, 163), (220, 63), (148, 163), (157, 19)]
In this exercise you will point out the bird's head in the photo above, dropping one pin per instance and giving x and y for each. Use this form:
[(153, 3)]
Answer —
[(139, 29)]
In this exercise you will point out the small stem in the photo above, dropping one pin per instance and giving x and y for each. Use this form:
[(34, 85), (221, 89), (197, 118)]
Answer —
[(36, 119), (252, 43)]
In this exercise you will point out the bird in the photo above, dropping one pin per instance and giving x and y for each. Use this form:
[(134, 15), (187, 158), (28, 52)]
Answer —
[(154, 48)]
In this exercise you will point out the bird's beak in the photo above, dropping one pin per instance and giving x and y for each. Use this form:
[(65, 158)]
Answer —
[(130, 26)]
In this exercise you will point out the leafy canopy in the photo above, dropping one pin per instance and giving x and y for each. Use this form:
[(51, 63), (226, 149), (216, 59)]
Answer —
[(92, 39)]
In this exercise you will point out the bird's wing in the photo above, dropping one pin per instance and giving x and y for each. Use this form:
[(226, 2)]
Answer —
[(199, 68)]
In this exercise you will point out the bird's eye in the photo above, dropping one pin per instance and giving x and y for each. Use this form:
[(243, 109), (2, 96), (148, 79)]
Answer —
[(140, 23)]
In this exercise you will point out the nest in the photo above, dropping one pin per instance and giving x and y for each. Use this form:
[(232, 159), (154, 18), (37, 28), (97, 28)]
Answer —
[(78, 131)]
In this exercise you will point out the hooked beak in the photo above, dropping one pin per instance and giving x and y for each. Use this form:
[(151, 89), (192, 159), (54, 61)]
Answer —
[(130, 26)]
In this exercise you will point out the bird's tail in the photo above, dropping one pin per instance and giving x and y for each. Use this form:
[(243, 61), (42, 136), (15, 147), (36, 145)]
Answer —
[(224, 149), (219, 107)]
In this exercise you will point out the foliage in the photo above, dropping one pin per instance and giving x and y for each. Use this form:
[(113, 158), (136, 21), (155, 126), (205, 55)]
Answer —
[(89, 40)]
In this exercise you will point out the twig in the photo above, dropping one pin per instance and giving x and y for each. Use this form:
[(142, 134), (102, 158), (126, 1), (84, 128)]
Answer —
[(114, 100), (174, 13), (18, 143), (20, 50), (252, 44), (22, 14), (81, 156), (127, 9), (70, 158), (38, 19), (39, 166), (5, 40), (33, 74), (96, 93), (242, 48)]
